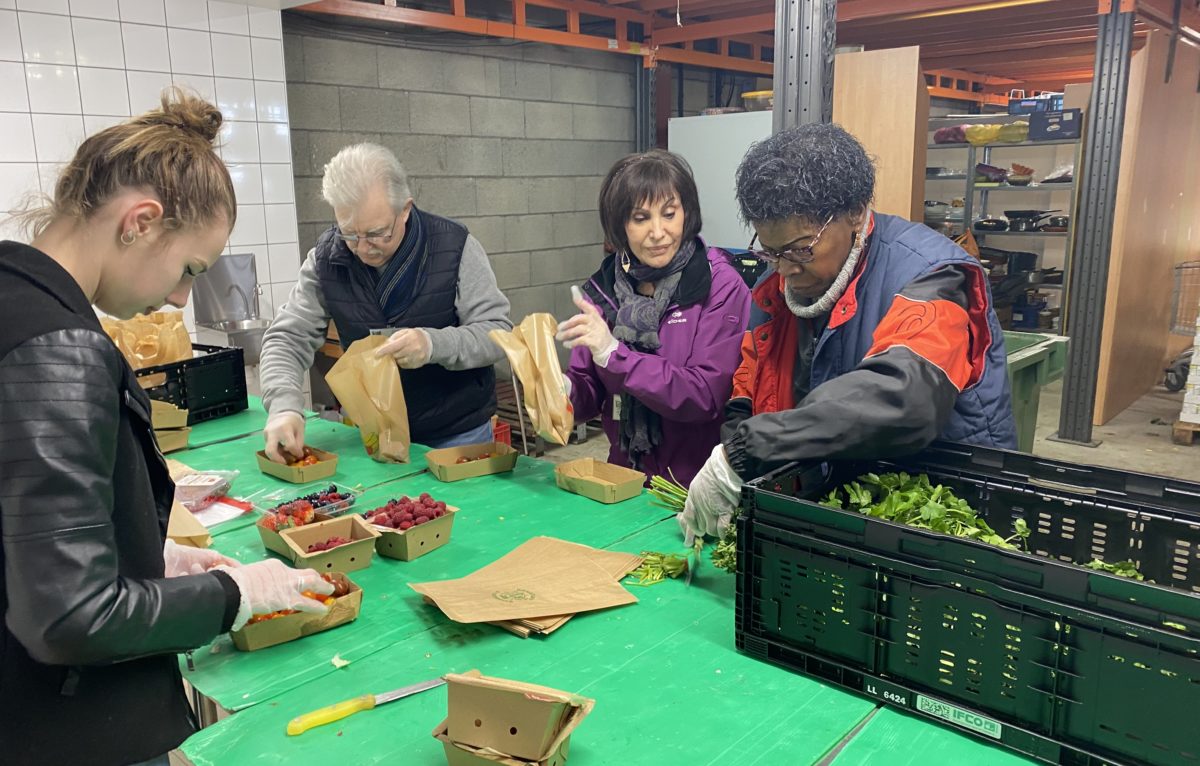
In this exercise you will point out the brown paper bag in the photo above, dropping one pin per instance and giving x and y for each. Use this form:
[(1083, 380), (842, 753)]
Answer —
[(184, 529), (544, 578), (530, 351), (149, 340), (615, 563), (370, 392)]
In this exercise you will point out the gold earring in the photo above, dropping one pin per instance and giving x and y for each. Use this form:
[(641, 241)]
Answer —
[(132, 237), (625, 264)]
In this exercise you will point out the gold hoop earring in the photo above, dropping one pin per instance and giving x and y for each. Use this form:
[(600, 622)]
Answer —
[(132, 237)]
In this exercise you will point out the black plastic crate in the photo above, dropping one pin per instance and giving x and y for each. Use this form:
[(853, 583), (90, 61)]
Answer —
[(1062, 663), (210, 385)]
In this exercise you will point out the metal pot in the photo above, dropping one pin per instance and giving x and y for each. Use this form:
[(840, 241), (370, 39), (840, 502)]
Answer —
[(1057, 223), (991, 224)]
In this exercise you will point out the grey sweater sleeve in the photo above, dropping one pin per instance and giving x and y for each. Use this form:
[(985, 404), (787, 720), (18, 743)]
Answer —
[(290, 344), (481, 308)]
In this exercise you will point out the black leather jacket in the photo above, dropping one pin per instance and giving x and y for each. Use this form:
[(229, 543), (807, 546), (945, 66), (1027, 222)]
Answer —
[(88, 672)]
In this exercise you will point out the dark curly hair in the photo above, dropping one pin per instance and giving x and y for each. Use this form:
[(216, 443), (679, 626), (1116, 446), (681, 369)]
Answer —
[(811, 171), (646, 177)]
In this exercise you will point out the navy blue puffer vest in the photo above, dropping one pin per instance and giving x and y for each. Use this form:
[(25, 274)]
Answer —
[(441, 402)]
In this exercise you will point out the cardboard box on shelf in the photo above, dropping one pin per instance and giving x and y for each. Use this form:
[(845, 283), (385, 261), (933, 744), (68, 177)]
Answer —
[(280, 630), (347, 557), (172, 440), (444, 465), (164, 415), (497, 721), (600, 481), (416, 541), (300, 474)]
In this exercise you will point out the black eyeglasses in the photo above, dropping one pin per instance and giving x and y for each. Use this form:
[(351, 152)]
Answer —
[(354, 239), (796, 255)]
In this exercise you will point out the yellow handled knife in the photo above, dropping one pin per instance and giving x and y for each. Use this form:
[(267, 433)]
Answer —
[(303, 723)]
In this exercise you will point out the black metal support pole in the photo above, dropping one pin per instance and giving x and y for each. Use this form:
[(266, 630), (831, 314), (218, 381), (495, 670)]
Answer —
[(805, 37), (1093, 231), (643, 107)]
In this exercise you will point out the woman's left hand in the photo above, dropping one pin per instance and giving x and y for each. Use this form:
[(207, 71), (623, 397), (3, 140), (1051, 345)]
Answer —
[(587, 328), (180, 560)]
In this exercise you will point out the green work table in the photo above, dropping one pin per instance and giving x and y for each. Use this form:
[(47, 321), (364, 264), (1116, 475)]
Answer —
[(355, 468), (1034, 360), (249, 421), (895, 738), (497, 514), (669, 686)]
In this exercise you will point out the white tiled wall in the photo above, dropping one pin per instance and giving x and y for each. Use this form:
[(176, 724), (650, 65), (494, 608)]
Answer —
[(72, 67)]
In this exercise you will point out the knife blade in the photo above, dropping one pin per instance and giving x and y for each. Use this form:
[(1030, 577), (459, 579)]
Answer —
[(340, 710)]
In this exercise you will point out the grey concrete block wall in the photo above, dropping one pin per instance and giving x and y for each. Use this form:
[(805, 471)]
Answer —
[(511, 140)]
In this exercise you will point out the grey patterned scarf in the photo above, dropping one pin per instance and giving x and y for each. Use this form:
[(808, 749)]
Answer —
[(637, 323)]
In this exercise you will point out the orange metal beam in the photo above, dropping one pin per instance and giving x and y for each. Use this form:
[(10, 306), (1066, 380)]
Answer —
[(708, 29), (594, 9), (730, 63), (396, 15), (962, 95)]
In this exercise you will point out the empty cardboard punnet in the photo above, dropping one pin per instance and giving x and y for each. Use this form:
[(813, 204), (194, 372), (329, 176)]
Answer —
[(442, 463), (348, 557), (490, 717), (300, 474), (289, 627), (600, 481), (414, 542), (165, 415), (172, 440)]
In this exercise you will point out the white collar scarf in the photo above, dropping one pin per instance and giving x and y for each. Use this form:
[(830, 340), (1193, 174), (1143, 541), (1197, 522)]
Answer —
[(826, 302)]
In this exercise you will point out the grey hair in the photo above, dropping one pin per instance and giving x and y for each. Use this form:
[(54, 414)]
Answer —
[(358, 167), (811, 171)]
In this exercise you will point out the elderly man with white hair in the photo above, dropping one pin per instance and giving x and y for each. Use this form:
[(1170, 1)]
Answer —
[(386, 265)]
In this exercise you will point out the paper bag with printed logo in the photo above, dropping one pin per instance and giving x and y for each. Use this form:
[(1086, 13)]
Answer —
[(372, 396), (530, 351), (540, 578)]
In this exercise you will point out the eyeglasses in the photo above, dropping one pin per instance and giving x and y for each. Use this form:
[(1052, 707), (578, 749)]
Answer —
[(354, 239), (796, 255)]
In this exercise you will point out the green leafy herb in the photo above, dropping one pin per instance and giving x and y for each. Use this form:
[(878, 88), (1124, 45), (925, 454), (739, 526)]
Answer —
[(724, 553), (657, 567), (668, 493), (915, 501), (1120, 568)]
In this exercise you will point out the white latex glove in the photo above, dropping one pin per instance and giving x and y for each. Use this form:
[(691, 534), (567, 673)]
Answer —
[(587, 328), (270, 585), (567, 386), (711, 500), (284, 433), (410, 347), (182, 560)]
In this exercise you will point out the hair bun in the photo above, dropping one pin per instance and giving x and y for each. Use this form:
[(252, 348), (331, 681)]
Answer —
[(187, 111)]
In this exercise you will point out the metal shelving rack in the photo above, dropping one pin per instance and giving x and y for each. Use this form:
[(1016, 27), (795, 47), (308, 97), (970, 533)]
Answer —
[(977, 154)]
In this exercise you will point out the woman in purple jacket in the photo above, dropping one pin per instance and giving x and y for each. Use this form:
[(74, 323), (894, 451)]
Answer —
[(658, 336)]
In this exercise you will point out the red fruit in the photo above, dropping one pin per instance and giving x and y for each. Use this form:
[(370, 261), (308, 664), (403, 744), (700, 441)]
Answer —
[(405, 525), (440, 505), (439, 513), (421, 520), (425, 497)]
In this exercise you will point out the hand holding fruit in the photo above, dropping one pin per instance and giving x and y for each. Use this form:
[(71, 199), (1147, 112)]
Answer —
[(180, 560), (284, 436), (410, 347), (587, 328), (270, 586)]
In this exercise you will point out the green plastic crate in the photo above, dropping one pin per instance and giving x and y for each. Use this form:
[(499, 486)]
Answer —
[(1034, 360)]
